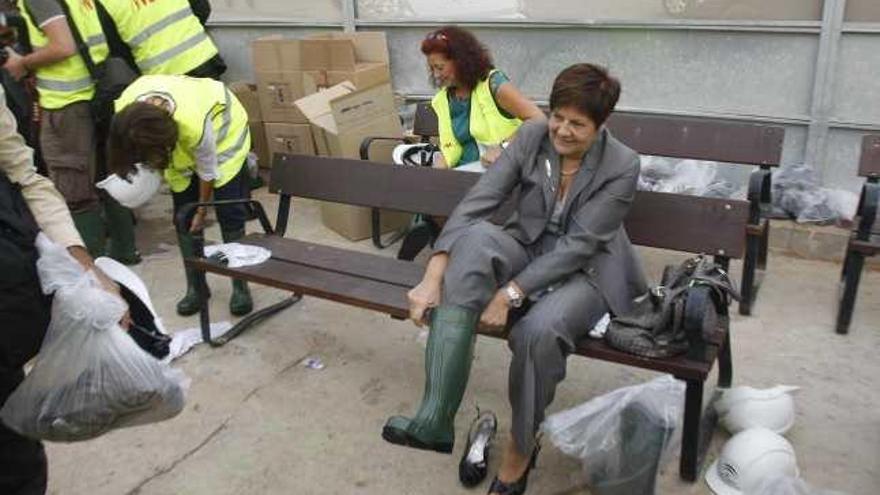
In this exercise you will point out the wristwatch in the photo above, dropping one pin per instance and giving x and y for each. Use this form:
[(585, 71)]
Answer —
[(514, 297)]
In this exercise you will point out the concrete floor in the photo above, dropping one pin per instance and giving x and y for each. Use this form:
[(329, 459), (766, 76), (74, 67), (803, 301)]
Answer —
[(258, 422)]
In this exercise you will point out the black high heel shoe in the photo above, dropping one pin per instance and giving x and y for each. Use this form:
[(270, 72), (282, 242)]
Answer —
[(475, 459), (517, 487)]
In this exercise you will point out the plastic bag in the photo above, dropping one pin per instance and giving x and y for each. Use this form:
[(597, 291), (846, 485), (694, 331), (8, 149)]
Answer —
[(622, 437), (89, 376), (786, 485), (683, 177), (796, 193)]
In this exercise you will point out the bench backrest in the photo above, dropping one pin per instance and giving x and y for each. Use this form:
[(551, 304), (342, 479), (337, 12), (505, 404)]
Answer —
[(869, 163), (671, 221), (678, 137)]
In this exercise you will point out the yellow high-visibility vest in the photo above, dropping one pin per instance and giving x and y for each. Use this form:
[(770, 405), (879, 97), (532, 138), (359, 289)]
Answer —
[(68, 81), (487, 125), (164, 36), (196, 100)]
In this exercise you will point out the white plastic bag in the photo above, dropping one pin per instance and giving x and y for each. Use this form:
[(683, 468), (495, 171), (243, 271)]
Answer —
[(622, 437), (89, 376)]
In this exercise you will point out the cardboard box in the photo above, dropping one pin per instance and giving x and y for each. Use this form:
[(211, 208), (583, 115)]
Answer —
[(289, 69), (341, 117), (290, 138), (247, 95), (259, 145), (277, 92)]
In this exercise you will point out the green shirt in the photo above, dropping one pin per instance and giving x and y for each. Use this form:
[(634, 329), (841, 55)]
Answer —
[(460, 110)]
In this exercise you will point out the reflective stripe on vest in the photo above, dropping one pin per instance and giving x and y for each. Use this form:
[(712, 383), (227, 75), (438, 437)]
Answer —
[(68, 81), (487, 125), (164, 37), (195, 102)]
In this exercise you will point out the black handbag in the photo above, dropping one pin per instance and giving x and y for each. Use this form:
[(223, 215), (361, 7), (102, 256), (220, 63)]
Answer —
[(659, 325)]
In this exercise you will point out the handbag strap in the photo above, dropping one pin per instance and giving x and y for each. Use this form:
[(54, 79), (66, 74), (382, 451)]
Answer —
[(81, 46)]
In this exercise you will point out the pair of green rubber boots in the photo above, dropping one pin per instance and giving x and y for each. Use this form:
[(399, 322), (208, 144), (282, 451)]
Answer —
[(240, 303), (111, 234), (448, 359)]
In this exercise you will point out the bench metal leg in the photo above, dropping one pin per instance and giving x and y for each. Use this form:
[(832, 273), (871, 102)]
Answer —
[(725, 363), (698, 428), (750, 279), (765, 246), (241, 325), (849, 281)]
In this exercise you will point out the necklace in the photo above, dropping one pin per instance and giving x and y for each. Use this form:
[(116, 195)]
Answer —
[(568, 174)]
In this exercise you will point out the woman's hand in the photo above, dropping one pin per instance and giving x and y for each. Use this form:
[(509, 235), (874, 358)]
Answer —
[(495, 315), (490, 155), (421, 297), (198, 221)]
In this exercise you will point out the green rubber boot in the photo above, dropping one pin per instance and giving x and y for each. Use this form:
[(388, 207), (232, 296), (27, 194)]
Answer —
[(448, 359), (91, 228), (189, 304), (240, 303), (120, 233)]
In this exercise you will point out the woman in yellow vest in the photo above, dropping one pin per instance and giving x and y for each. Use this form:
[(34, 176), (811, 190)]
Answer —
[(477, 107), (195, 131)]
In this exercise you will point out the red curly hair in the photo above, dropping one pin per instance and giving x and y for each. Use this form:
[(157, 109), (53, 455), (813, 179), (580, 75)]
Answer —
[(471, 58)]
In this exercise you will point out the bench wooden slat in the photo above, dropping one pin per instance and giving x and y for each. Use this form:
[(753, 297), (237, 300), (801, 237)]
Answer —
[(686, 223), (364, 265), (700, 139), (869, 163)]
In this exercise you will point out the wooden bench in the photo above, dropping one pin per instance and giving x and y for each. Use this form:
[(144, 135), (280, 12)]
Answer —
[(738, 143), (701, 225), (865, 238)]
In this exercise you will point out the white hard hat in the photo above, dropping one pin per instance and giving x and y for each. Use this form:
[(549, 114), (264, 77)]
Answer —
[(134, 191), (740, 408), (749, 458), (124, 276)]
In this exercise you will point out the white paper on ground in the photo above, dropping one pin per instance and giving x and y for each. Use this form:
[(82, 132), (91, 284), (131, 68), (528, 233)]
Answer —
[(184, 340)]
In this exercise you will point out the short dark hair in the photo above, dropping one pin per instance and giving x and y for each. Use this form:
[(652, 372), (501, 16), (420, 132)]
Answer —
[(140, 132), (471, 58), (588, 88)]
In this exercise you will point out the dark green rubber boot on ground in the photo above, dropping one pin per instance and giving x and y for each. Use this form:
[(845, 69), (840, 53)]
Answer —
[(189, 304), (448, 359), (240, 303), (91, 228), (120, 233)]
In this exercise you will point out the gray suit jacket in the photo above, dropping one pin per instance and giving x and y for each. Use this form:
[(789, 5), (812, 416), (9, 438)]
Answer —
[(593, 239)]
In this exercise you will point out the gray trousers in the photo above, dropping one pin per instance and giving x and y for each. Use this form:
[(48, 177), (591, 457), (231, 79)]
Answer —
[(482, 260)]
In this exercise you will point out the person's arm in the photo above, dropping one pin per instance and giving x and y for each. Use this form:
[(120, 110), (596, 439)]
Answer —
[(595, 222), (517, 104), (60, 46), (207, 171)]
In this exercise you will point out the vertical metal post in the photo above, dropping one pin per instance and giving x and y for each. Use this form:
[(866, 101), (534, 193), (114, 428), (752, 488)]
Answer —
[(823, 82), (349, 14)]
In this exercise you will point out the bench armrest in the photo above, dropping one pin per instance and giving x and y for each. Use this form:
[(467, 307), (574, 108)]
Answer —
[(867, 210), (760, 196), (184, 217), (368, 141)]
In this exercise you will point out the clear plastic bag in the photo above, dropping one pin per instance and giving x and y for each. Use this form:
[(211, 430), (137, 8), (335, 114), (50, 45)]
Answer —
[(622, 437), (683, 177), (89, 376), (796, 193)]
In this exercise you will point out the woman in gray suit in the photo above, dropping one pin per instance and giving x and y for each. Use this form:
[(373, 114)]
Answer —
[(562, 258)]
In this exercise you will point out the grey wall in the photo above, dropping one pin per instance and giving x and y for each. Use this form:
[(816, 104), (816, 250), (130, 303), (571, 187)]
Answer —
[(757, 70)]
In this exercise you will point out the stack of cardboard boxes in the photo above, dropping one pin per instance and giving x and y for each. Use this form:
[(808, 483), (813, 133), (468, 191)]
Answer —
[(323, 95)]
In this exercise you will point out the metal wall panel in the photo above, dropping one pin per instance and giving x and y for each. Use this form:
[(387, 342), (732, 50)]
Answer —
[(736, 73), (857, 85)]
